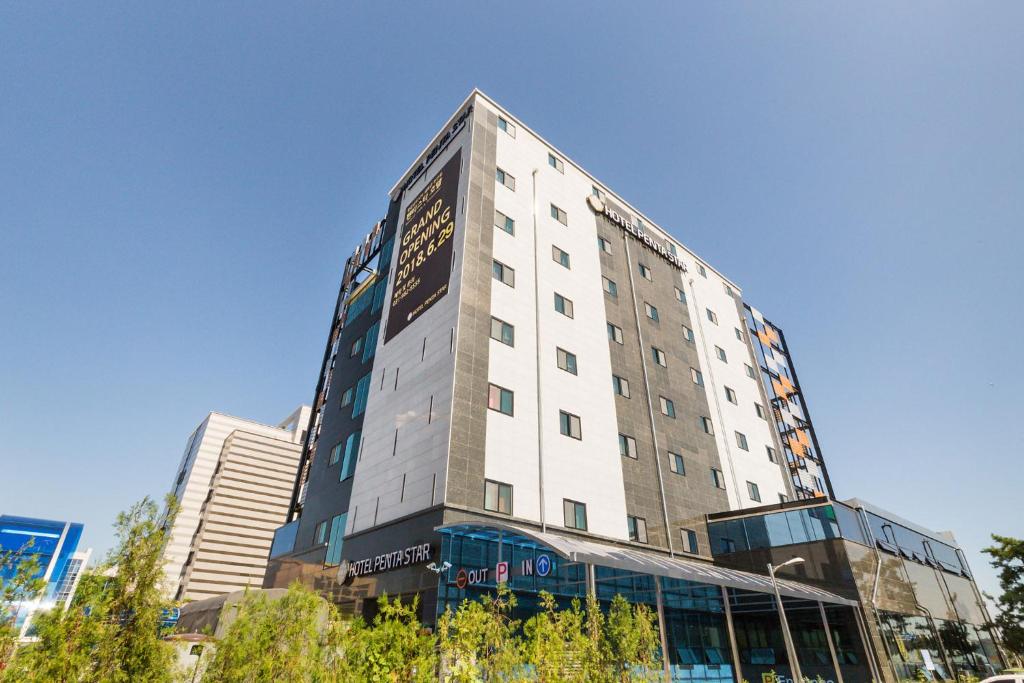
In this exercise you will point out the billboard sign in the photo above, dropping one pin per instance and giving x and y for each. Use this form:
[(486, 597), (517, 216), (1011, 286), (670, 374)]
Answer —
[(424, 265)]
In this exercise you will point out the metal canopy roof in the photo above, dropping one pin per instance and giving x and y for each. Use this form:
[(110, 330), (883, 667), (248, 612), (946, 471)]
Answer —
[(629, 559)]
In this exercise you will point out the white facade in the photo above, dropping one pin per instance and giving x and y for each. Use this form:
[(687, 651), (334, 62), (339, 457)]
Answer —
[(590, 470), (586, 470), (196, 476), (403, 464)]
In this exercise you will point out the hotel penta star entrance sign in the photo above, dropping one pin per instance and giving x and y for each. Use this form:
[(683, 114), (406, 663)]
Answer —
[(424, 264), (600, 207), (415, 554)]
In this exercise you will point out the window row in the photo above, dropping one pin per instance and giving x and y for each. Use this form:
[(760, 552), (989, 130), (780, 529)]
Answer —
[(507, 224)]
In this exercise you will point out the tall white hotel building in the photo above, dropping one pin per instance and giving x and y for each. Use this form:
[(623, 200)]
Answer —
[(522, 364)]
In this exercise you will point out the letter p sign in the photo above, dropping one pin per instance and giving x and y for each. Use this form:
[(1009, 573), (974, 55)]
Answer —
[(501, 573)]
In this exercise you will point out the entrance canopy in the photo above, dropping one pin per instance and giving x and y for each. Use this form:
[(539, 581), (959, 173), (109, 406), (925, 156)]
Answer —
[(638, 561)]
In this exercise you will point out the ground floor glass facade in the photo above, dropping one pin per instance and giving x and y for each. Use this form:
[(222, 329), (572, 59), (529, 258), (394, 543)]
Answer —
[(699, 647)]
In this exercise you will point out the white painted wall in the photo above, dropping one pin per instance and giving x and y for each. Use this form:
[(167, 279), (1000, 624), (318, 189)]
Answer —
[(519, 156), (587, 470), (738, 466)]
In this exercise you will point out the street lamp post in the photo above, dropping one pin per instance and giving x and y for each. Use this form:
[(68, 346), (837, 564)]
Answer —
[(787, 637)]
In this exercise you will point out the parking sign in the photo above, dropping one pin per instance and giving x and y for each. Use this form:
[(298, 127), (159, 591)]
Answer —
[(501, 573)]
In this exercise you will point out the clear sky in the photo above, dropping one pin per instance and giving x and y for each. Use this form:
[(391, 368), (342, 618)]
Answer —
[(180, 184)]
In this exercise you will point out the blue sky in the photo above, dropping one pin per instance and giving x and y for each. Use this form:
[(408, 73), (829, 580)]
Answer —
[(182, 183)]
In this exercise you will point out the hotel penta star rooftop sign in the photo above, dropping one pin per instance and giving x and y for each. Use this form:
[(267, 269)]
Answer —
[(599, 206)]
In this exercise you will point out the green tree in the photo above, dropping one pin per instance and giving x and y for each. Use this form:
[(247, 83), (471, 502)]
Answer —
[(397, 648), (19, 583), (112, 632), (132, 599), (479, 640), (564, 645), (67, 640), (273, 640), (632, 641), (1008, 559)]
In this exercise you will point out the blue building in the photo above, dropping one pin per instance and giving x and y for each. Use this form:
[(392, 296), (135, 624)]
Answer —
[(55, 547)]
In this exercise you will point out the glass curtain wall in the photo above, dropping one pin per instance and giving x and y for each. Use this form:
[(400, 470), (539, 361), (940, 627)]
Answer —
[(699, 648)]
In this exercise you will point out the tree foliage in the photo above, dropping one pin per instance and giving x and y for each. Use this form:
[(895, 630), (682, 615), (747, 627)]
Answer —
[(272, 640), (479, 641), (111, 633), (1008, 559), (19, 583)]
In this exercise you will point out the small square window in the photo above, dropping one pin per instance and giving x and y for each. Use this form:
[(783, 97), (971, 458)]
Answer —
[(575, 514), (754, 492), (336, 453), (712, 316), (637, 529), (771, 454), (620, 386), (604, 245), (627, 446), (717, 478), (651, 311), (668, 408), (503, 273), (702, 270), (676, 464), (569, 425), (356, 348), (720, 352), (645, 272), (500, 399), (559, 215), (728, 289), (750, 371), (739, 333), (680, 295), (560, 257), (689, 538), (687, 334), (707, 425), (615, 333), (697, 376), (505, 179), (563, 305), (320, 535), (610, 287), (730, 396), (659, 356), (503, 332), (555, 163), (498, 497), (504, 222), (566, 361), (759, 409), (741, 441), (346, 398), (504, 125)]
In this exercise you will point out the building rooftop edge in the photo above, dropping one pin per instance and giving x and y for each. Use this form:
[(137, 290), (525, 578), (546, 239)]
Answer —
[(943, 537), (255, 422), (476, 92)]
